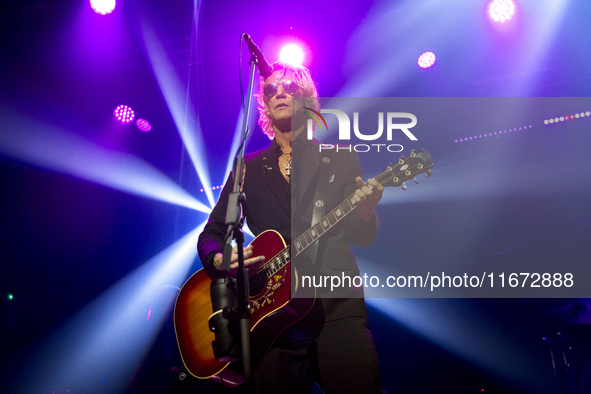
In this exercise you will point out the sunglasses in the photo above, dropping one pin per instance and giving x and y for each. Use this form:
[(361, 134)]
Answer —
[(290, 87)]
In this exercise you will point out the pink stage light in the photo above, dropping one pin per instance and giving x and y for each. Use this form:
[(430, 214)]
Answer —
[(292, 54), (124, 114), (501, 10), (143, 125), (427, 60), (102, 7)]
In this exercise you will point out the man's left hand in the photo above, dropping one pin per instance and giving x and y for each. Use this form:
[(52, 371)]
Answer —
[(367, 198)]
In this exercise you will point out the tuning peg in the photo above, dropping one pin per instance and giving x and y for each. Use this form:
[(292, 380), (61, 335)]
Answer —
[(429, 173), (415, 181), (403, 187)]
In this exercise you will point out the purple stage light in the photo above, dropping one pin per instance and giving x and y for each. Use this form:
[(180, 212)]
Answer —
[(143, 125), (501, 10), (292, 54), (427, 60), (497, 133), (102, 7), (124, 114)]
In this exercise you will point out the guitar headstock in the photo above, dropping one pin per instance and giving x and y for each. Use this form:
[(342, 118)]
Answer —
[(407, 167)]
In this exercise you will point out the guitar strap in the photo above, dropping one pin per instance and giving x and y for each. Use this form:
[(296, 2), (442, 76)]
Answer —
[(324, 179)]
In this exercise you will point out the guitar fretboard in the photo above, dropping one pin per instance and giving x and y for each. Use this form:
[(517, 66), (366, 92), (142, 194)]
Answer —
[(326, 223), (311, 235)]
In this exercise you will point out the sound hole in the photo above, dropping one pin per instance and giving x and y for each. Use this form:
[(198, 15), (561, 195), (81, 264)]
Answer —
[(257, 282)]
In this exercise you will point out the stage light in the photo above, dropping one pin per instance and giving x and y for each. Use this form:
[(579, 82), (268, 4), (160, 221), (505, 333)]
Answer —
[(143, 125), (124, 114), (492, 134), (566, 117), (501, 10), (10, 296), (102, 7), (292, 54), (27, 140), (427, 60)]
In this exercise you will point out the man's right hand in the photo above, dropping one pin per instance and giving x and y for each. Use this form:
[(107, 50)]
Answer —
[(252, 263)]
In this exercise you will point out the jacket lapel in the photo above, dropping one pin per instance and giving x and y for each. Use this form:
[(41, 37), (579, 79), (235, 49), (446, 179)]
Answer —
[(267, 164), (308, 168)]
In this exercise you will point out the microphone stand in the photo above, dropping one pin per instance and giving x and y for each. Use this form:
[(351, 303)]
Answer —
[(234, 221)]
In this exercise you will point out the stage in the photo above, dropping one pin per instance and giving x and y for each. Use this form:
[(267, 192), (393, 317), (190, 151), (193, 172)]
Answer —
[(101, 210)]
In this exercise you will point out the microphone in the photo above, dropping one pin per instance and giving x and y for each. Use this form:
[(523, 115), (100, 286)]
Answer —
[(265, 68)]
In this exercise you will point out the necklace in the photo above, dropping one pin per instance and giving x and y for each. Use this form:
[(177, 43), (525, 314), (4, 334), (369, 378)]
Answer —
[(287, 157)]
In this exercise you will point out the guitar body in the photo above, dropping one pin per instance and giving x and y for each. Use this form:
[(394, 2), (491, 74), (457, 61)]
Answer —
[(272, 310)]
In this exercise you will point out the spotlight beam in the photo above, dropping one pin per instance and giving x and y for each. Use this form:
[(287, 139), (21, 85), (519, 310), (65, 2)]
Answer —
[(549, 18), (186, 120), (49, 147), (452, 332), (238, 137), (110, 337)]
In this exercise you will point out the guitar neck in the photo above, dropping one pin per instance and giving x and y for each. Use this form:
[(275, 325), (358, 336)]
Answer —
[(331, 219), (417, 162), (311, 235)]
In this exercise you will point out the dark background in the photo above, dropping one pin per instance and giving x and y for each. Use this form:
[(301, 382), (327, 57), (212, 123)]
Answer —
[(77, 251)]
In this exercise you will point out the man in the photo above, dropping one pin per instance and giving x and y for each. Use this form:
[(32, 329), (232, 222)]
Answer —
[(285, 191)]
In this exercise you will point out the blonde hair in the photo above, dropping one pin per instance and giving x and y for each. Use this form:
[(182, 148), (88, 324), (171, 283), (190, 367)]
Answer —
[(302, 78)]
